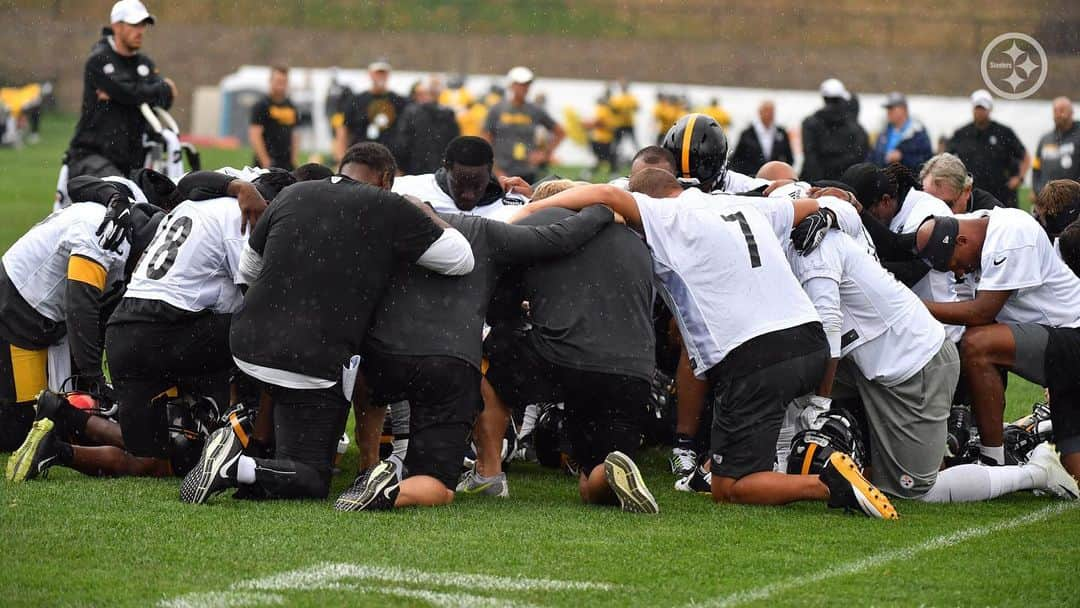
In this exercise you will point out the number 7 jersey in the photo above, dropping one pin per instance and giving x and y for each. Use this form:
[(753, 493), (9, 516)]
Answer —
[(193, 261), (720, 261)]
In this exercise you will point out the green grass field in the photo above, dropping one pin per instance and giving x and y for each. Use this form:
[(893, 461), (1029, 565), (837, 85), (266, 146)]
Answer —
[(72, 540)]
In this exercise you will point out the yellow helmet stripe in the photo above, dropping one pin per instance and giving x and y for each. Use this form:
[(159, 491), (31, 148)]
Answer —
[(808, 459), (688, 135)]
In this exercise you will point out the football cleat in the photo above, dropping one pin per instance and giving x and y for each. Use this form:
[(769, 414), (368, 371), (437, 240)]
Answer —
[(625, 480), (683, 462), (959, 432), (374, 490), (48, 404), (489, 486), (850, 491), (35, 455), (699, 482), (1058, 481), (216, 470)]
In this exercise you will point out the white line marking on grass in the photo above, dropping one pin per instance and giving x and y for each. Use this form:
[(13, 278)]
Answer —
[(320, 575), (873, 561), (338, 577)]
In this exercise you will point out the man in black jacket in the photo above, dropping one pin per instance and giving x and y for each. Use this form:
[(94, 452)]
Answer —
[(991, 151), (761, 142), (425, 130), (117, 79), (833, 140)]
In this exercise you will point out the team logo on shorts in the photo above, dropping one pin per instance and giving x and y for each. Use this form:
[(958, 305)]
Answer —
[(143, 70), (1014, 65), (907, 482)]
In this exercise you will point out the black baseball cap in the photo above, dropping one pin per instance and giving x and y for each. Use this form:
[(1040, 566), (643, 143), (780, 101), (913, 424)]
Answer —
[(938, 251)]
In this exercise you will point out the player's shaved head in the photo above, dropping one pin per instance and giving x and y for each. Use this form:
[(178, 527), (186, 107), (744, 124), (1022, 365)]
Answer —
[(655, 182), (653, 156), (777, 169)]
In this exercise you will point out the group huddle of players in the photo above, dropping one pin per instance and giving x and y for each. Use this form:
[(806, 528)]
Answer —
[(244, 313)]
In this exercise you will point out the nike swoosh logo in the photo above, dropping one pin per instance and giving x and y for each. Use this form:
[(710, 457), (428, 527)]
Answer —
[(223, 471), (386, 492), (44, 464), (998, 262)]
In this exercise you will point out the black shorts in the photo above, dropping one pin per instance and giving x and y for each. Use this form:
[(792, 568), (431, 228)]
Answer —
[(444, 398), (147, 359), (603, 411), (748, 407), (1063, 382)]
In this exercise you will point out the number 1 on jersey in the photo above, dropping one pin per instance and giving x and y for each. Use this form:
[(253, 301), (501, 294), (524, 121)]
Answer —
[(751, 244)]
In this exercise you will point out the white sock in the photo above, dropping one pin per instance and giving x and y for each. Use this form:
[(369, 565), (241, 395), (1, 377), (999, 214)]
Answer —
[(994, 454), (783, 440), (399, 418), (400, 462), (528, 422), (400, 448), (973, 482), (245, 469)]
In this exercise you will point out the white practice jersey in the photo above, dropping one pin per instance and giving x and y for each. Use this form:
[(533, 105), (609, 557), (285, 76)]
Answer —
[(884, 328), (936, 286), (425, 188), (723, 269), (1017, 256), (37, 263), (193, 261), (737, 183)]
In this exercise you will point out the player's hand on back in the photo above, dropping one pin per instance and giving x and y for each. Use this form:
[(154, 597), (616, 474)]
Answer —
[(808, 234), (252, 206), (516, 185)]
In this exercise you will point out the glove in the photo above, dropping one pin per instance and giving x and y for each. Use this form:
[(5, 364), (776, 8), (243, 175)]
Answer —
[(809, 233), (117, 227), (813, 408)]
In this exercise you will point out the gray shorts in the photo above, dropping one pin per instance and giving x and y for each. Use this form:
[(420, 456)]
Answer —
[(907, 422), (1030, 362)]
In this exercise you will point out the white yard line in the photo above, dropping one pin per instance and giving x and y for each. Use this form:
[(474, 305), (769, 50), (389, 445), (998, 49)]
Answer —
[(331, 576), (874, 561)]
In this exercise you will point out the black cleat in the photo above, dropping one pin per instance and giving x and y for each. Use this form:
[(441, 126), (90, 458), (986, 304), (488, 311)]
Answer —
[(35, 455), (374, 490), (49, 404), (216, 470), (850, 491)]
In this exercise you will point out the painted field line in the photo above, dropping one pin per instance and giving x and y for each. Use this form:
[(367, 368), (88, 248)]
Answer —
[(265, 591), (320, 575), (874, 561)]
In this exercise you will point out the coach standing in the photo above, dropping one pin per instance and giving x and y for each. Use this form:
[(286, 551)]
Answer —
[(117, 79), (991, 151), (1058, 153), (511, 129), (273, 120)]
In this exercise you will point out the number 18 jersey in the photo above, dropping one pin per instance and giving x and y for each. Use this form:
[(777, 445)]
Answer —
[(193, 261)]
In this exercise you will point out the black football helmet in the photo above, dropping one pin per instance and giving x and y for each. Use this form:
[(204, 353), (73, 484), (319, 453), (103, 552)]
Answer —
[(700, 148), (810, 449)]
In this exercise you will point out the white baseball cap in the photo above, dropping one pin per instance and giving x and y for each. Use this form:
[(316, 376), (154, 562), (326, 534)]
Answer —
[(131, 12), (982, 99), (379, 65), (520, 75), (832, 87)]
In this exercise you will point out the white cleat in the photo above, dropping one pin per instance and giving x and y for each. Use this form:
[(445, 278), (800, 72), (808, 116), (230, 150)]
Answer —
[(1058, 481)]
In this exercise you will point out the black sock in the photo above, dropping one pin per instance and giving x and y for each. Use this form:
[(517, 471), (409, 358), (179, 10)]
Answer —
[(685, 442), (64, 453), (71, 421)]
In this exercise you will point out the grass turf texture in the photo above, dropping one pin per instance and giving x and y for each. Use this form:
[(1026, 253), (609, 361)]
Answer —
[(72, 540)]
